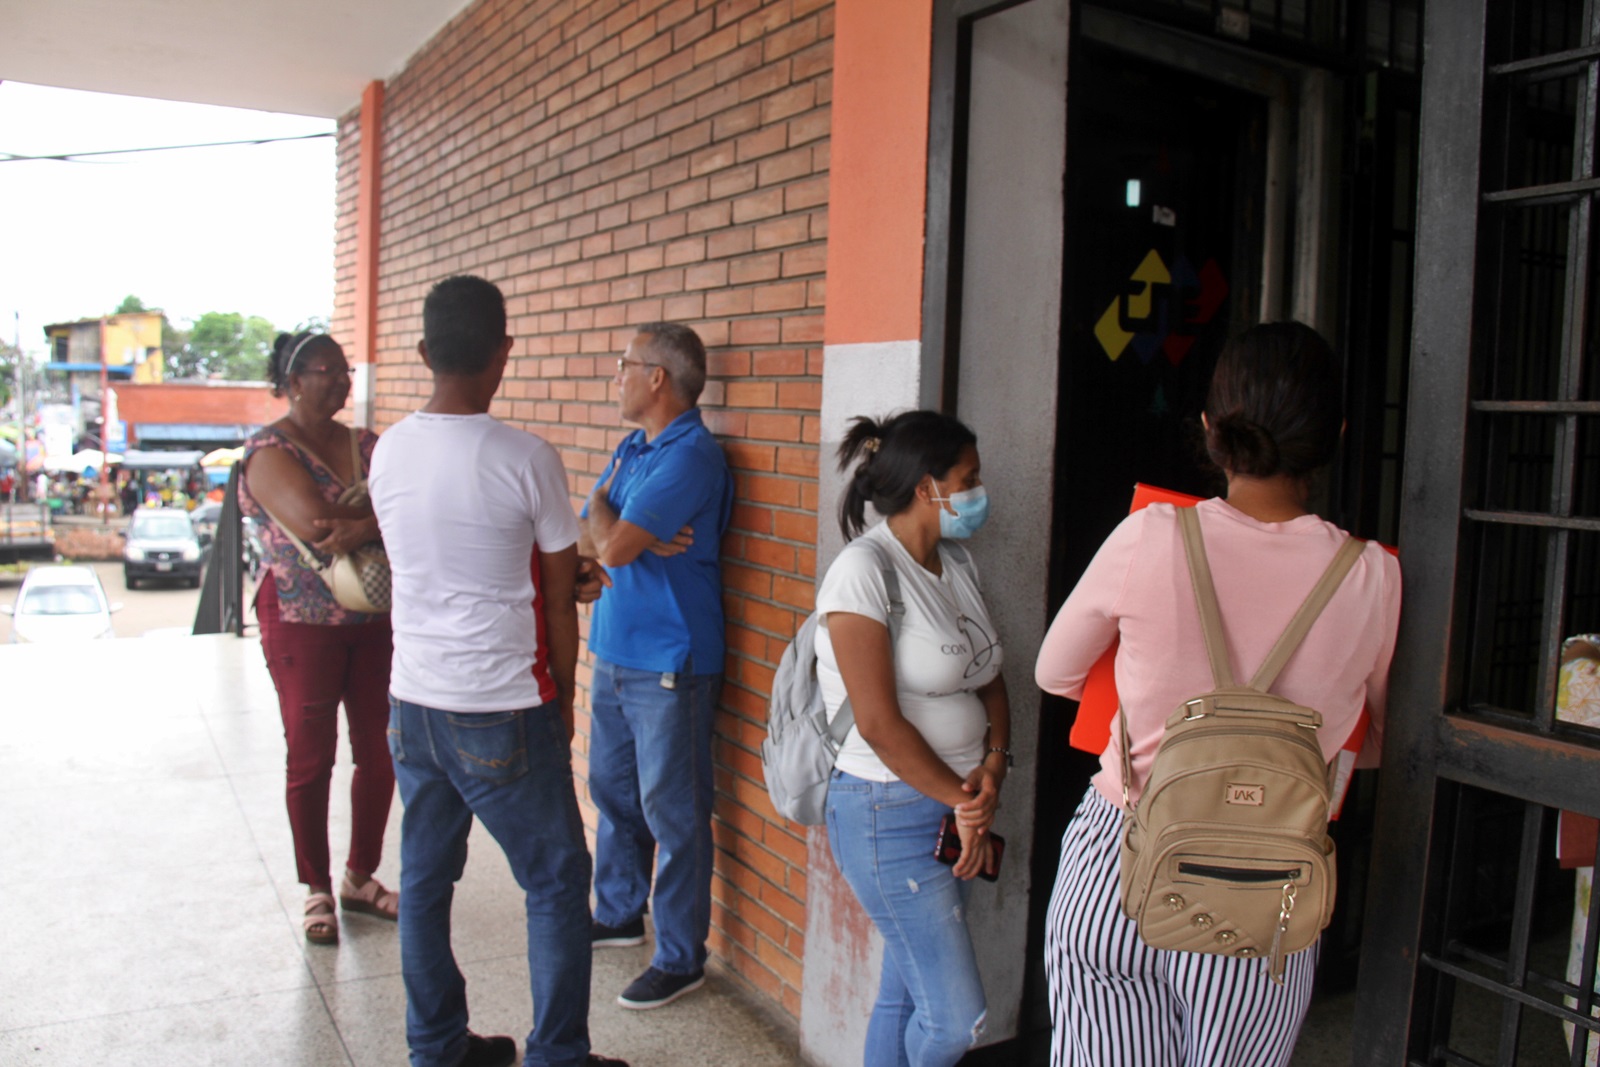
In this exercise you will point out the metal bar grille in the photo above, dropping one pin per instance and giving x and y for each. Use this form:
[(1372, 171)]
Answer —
[(1538, 407), (1552, 193), (1527, 518), (1568, 61), (1512, 95)]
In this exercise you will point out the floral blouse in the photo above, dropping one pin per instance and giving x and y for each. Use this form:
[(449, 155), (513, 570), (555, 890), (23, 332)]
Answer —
[(302, 594)]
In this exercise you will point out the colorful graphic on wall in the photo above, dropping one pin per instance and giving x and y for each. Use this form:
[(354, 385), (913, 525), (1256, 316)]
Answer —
[(1163, 309)]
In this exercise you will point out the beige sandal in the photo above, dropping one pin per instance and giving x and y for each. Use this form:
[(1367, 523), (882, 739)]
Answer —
[(370, 899), (321, 924)]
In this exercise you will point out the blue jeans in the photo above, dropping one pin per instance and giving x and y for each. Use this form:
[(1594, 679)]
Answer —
[(650, 777), (930, 1007), (513, 770)]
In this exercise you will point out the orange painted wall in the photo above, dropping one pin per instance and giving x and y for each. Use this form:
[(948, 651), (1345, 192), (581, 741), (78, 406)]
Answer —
[(877, 194)]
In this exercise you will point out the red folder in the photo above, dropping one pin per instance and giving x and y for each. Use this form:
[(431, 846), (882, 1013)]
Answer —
[(1091, 731)]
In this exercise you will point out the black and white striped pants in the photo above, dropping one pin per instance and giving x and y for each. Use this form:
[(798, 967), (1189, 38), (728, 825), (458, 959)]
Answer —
[(1117, 1002)]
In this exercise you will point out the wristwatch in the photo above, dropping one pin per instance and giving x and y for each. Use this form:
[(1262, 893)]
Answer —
[(1006, 752)]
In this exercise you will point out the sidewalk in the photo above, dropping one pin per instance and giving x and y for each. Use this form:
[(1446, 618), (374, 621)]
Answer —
[(148, 888)]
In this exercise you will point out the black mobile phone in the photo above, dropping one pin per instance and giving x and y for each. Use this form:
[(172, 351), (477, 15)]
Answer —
[(948, 850)]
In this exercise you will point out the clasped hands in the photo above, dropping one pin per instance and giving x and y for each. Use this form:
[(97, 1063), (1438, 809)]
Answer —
[(974, 819)]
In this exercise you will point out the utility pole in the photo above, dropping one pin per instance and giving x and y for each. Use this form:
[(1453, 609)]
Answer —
[(22, 408)]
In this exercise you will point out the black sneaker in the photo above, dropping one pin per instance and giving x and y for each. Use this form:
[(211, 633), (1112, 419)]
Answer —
[(654, 988), (489, 1052), (603, 936), (596, 1060)]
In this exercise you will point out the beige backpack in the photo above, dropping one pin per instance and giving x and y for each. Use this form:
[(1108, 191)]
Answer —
[(1227, 850)]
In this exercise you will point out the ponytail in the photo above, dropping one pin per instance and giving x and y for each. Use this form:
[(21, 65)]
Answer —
[(895, 455)]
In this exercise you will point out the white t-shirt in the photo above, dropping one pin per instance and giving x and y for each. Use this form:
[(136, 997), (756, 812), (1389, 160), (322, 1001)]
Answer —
[(462, 501), (948, 649)]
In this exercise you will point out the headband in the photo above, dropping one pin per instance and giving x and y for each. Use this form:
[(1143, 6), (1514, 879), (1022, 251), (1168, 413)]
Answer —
[(294, 353)]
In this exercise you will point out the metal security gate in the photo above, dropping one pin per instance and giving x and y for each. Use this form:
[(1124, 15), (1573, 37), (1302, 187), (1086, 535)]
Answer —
[(1477, 954)]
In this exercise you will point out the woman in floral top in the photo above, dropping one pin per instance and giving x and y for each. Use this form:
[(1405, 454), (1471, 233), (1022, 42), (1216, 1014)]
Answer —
[(321, 654)]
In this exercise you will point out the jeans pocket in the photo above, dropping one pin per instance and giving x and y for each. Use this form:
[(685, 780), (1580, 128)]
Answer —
[(490, 745), (397, 748), (899, 795)]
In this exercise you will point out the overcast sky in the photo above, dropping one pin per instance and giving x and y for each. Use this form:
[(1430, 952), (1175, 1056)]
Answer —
[(247, 229)]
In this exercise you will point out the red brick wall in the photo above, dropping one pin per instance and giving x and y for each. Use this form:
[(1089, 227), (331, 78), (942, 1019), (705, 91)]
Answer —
[(607, 163), (342, 323)]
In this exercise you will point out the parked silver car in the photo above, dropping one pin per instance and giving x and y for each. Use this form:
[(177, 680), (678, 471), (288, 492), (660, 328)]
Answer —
[(60, 603)]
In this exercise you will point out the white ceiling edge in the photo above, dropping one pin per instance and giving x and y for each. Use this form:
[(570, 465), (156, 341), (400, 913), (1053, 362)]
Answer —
[(301, 57)]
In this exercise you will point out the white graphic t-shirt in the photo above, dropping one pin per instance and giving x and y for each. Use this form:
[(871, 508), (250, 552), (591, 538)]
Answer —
[(947, 651)]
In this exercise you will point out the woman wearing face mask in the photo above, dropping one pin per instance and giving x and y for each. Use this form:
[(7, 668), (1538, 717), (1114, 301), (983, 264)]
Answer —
[(932, 724)]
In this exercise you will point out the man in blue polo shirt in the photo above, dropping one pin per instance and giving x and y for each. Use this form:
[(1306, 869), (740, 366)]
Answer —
[(655, 521)]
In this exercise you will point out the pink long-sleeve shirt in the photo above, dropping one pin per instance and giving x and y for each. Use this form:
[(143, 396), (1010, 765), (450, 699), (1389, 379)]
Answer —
[(1138, 587)]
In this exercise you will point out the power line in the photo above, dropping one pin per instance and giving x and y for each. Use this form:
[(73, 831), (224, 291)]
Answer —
[(74, 157)]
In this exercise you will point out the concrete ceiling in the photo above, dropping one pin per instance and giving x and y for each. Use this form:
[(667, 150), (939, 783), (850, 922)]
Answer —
[(304, 57)]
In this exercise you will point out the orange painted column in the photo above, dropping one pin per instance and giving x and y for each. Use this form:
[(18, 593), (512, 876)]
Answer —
[(872, 355), (363, 354), (877, 188)]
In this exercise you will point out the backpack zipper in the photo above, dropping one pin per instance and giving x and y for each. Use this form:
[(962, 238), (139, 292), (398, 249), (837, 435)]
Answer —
[(1239, 874)]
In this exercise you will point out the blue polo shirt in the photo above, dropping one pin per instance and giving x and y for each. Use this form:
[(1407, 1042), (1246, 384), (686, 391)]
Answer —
[(660, 611)]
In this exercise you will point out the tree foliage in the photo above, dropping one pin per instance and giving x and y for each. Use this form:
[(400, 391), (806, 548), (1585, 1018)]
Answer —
[(10, 355), (130, 303), (221, 344)]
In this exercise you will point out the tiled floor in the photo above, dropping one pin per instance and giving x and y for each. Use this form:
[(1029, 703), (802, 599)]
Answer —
[(148, 889), (152, 916)]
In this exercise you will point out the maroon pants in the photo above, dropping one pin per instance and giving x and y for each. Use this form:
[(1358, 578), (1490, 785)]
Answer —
[(315, 668)]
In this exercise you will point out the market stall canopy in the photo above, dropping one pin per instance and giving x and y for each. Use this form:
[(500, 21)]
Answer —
[(137, 460), (85, 459)]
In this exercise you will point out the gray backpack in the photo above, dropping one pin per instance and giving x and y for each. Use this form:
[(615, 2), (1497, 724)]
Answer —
[(801, 746)]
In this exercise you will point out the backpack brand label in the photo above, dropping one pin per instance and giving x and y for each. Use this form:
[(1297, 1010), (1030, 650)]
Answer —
[(1243, 793)]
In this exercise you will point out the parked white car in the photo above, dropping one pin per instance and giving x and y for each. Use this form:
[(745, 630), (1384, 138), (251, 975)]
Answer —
[(60, 603)]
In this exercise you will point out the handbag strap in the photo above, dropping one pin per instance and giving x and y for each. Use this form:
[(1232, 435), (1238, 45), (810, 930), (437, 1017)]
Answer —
[(845, 717), (356, 475), (306, 555)]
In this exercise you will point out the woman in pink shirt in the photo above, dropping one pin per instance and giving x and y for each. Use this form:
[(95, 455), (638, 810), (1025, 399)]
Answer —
[(1272, 419)]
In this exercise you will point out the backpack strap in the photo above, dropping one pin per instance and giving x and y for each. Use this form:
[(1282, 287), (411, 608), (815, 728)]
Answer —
[(1300, 625), (1205, 597), (1211, 617), (1205, 594), (845, 717)]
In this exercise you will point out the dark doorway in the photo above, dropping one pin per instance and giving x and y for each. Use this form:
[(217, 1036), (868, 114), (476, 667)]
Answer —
[(1165, 174), (1164, 204)]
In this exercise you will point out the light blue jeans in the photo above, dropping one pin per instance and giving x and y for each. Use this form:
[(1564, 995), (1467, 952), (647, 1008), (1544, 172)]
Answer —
[(930, 1007), (513, 770), (651, 779)]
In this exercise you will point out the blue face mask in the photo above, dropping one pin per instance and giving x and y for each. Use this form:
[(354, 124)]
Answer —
[(972, 511)]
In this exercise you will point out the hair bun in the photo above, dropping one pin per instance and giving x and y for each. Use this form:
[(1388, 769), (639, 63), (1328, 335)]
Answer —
[(1248, 447)]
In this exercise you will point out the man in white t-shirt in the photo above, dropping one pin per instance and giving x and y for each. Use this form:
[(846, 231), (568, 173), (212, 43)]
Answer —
[(483, 543)]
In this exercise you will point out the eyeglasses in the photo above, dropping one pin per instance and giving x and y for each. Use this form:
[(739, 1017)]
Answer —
[(342, 370), (624, 363)]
